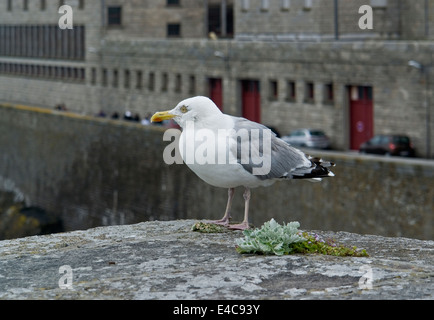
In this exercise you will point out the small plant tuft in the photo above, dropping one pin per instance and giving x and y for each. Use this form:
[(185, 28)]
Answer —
[(273, 238)]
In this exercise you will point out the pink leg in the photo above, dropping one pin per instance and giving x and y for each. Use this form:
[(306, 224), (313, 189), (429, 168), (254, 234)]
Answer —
[(245, 224), (227, 217)]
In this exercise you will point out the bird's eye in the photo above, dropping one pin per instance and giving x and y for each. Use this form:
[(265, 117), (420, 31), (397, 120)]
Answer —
[(184, 109)]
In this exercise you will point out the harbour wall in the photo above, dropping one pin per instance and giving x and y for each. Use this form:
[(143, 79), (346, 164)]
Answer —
[(96, 171)]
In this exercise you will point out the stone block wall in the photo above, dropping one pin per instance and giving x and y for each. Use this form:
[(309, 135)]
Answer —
[(172, 70), (149, 19), (315, 20)]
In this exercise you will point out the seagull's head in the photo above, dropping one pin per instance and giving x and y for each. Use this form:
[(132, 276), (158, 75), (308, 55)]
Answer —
[(192, 109)]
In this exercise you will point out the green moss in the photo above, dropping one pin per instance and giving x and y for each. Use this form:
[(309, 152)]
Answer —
[(315, 244), (14, 224)]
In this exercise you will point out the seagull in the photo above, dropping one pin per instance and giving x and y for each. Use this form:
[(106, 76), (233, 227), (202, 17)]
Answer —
[(229, 152)]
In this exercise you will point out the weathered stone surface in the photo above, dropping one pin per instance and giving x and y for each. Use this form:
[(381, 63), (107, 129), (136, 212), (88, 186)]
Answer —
[(166, 260)]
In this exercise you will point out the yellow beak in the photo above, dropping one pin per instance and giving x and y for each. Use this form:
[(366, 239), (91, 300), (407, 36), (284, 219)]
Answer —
[(160, 116)]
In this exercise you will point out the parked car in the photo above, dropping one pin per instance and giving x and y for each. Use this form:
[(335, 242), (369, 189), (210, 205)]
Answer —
[(392, 145), (310, 138)]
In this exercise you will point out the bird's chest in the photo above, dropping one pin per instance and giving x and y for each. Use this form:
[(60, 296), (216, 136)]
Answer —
[(207, 153)]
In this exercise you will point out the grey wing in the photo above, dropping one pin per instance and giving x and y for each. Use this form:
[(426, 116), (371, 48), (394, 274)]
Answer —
[(261, 153)]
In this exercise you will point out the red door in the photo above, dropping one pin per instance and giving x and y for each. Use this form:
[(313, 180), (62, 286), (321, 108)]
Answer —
[(216, 91), (361, 115), (251, 100)]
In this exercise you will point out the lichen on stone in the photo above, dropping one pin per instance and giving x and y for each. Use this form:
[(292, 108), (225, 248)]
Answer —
[(208, 228)]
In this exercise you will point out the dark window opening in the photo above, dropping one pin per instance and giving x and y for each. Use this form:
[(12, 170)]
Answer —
[(114, 16), (151, 81), (218, 20), (192, 84), (126, 79), (115, 82), (173, 30), (291, 91), (139, 79), (42, 41), (164, 82), (178, 83), (273, 90), (173, 3), (310, 92), (328, 93)]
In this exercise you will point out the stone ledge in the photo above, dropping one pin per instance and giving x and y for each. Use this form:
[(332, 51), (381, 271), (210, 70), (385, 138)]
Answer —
[(166, 260)]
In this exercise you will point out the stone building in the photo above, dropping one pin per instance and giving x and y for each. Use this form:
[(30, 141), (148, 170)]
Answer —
[(285, 63)]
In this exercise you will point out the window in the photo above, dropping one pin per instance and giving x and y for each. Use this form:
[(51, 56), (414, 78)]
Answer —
[(43, 5), (192, 85), (173, 3), (80, 4), (104, 77), (151, 81), (25, 5), (114, 16), (291, 94), (221, 23), (42, 41), (178, 83), (173, 30), (164, 82), (43, 71), (328, 93), (139, 79), (273, 90), (361, 93), (93, 76), (368, 93), (126, 79), (115, 78), (309, 93), (9, 5)]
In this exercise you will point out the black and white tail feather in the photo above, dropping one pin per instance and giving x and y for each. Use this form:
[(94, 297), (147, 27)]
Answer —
[(316, 172)]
